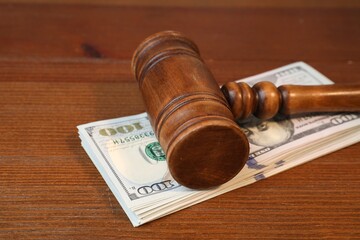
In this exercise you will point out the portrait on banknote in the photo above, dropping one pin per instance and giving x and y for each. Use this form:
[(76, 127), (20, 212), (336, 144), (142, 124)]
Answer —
[(270, 133)]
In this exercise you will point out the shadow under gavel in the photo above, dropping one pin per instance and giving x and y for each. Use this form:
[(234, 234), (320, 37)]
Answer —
[(194, 120)]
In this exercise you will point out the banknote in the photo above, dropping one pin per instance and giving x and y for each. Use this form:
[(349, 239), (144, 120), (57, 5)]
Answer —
[(131, 161)]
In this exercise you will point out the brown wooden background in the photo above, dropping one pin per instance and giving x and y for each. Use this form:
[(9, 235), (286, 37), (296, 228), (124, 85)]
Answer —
[(65, 63)]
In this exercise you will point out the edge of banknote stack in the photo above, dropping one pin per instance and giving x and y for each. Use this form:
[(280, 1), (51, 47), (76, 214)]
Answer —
[(129, 158)]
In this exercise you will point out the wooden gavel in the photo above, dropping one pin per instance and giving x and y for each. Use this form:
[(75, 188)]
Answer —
[(194, 120)]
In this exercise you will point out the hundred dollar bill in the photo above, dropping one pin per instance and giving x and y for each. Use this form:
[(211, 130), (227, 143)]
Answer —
[(133, 164)]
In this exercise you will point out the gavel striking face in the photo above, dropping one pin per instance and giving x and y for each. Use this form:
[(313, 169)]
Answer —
[(194, 120)]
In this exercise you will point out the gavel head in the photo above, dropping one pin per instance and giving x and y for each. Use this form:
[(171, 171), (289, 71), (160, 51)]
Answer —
[(204, 146)]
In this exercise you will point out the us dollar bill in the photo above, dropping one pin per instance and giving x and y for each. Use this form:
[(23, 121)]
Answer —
[(133, 164)]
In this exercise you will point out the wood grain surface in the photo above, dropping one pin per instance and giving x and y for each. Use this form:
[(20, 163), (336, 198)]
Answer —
[(65, 64)]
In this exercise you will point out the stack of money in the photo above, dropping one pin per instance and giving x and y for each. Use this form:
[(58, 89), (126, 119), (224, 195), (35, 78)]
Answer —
[(128, 156)]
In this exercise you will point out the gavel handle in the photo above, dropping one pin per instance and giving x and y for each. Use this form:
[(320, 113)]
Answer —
[(264, 100)]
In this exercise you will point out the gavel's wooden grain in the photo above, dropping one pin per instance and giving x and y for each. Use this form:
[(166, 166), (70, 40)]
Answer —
[(194, 121), (189, 114), (264, 100), (64, 65)]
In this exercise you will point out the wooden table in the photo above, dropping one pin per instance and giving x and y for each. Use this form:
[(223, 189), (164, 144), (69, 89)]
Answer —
[(64, 64)]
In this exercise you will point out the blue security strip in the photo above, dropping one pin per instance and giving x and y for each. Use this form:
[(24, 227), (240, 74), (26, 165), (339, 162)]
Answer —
[(279, 163), (253, 164), (259, 176)]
